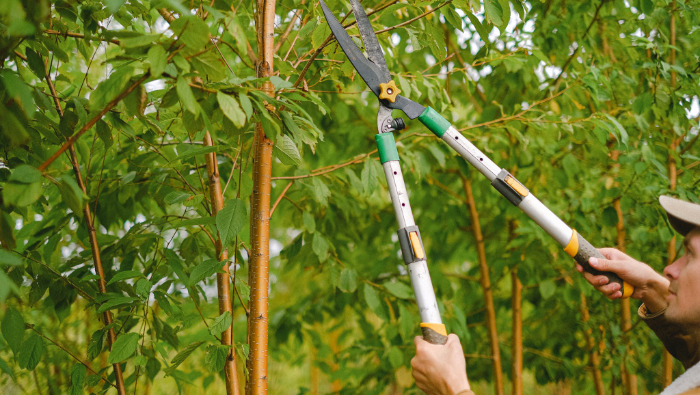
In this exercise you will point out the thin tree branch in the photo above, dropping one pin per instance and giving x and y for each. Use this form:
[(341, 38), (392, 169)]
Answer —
[(92, 122)]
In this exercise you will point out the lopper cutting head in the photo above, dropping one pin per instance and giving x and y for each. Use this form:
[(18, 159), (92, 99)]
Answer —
[(373, 69)]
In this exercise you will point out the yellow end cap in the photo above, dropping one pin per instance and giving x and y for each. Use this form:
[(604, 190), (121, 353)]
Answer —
[(627, 290), (389, 91), (416, 245), (517, 186), (572, 247), (439, 328)]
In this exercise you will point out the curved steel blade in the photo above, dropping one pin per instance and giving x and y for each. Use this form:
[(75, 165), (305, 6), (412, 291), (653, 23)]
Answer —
[(369, 71), (372, 47)]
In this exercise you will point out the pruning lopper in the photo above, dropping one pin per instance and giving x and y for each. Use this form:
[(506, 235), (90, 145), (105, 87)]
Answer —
[(375, 73)]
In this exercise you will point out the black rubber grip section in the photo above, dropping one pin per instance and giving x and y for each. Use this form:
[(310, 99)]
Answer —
[(506, 190), (405, 241), (587, 251), (433, 337)]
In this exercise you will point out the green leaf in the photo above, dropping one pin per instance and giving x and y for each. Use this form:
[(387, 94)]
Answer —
[(204, 270), (5, 368), (31, 352), (176, 197), (622, 135), (77, 379), (320, 190), (483, 32), (547, 289), (230, 108), (36, 63), (246, 105), (18, 90), (609, 217), (319, 34), (395, 357), (493, 12), (9, 258), (309, 222), (115, 302), (72, 195), (182, 356), (348, 280), (13, 329), (6, 286), (373, 301), (123, 348), (280, 83), (400, 290), (370, 176), (191, 31), (109, 89), (21, 195), (215, 360), (320, 247), (287, 151), (186, 96), (158, 59), (220, 324), (25, 174), (231, 220), (124, 275), (143, 288), (95, 344)]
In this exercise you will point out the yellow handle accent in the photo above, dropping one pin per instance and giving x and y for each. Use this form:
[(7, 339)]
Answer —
[(517, 186), (389, 91), (627, 290), (572, 247), (439, 328), (417, 247)]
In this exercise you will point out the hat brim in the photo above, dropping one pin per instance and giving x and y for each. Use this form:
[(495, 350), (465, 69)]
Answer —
[(682, 215)]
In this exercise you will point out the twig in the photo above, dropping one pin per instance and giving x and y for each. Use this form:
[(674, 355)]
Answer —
[(274, 206), (64, 349)]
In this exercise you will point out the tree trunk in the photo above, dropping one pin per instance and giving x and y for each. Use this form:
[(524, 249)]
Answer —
[(222, 279), (594, 356), (517, 333), (629, 379), (96, 258), (260, 214), (486, 286), (667, 373), (90, 225)]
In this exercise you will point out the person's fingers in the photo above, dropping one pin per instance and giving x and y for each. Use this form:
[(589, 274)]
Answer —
[(418, 340), (613, 254)]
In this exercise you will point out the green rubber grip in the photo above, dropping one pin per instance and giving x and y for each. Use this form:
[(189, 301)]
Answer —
[(434, 121), (387, 147)]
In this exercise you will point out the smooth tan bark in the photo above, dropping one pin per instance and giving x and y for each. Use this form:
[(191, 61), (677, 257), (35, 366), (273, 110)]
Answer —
[(486, 287), (223, 284), (260, 214)]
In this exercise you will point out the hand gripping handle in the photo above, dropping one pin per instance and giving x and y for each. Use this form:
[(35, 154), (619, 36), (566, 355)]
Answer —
[(434, 333), (581, 250)]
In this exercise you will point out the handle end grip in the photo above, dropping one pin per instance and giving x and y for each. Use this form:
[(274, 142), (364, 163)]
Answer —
[(581, 250), (434, 333)]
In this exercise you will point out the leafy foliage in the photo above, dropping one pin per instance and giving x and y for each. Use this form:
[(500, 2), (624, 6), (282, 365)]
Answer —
[(587, 103)]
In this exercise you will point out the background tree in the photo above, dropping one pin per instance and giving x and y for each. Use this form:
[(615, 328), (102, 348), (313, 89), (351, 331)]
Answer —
[(116, 116)]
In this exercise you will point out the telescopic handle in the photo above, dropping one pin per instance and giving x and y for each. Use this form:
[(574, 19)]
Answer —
[(513, 190)]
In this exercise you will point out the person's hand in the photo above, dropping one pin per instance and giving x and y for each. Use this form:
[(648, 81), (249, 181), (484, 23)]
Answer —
[(440, 369), (649, 286)]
